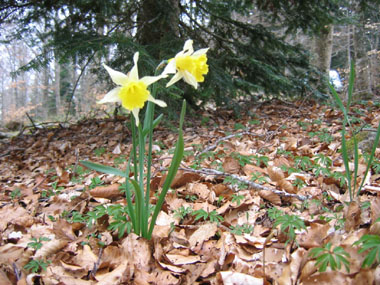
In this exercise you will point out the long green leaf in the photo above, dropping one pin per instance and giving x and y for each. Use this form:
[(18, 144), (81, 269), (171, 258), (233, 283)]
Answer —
[(351, 84), (372, 155), (103, 168), (177, 158)]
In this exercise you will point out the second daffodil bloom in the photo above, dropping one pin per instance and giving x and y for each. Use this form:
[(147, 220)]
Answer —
[(189, 65), (132, 92)]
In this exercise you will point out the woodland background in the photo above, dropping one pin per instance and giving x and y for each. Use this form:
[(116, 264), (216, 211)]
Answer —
[(52, 51)]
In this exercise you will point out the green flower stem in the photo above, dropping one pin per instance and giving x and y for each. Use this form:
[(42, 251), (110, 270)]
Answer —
[(149, 114), (135, 167), (143, 210)]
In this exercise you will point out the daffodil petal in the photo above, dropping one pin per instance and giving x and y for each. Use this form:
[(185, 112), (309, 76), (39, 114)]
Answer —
[(117, 77), (188, 47), (151, 79), (134, 74), (135, 113), (190, 79), (156, 101), (170, 67), (178, 76), (111, 96), (200, 51)]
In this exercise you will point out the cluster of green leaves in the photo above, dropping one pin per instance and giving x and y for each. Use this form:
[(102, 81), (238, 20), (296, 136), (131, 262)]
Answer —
[(288, 225), (212, 216), (326, 256), (241, 229), (118, 214), (182, 212), (37, 243), (370, 243), (36, 265), (323, 135)]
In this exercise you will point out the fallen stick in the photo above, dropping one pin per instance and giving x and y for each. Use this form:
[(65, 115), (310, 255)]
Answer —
[(253, 185)]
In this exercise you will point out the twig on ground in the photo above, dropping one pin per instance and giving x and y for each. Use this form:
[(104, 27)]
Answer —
[(213, 146), (253, 185)]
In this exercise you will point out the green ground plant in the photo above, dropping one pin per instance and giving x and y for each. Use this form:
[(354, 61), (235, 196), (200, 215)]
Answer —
[(352, 176), (37, 265), (327, 256)]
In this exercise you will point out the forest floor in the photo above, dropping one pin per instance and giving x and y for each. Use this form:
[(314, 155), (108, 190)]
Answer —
[(252, 198)]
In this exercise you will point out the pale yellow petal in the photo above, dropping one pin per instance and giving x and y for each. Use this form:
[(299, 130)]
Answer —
[(135, 113), (200, 51), (156, 101), (170, 67), (151, 79), (188, 47), (178, 76), (134, 74), (190, 79), (117, 77), (111, 96)]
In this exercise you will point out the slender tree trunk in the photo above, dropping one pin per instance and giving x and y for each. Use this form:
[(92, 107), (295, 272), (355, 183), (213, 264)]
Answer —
[(323, 50), (57, 90)]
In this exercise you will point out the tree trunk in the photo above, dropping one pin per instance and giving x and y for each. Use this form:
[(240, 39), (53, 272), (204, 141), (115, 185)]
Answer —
[(323, 50), (158, 20), (362, 80), (57, 90)]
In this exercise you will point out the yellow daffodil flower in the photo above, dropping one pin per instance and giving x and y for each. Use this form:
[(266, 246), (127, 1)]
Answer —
[(189, 65), (131, 92)]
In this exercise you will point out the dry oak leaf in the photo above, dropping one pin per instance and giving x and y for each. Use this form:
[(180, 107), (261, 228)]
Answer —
[(236, 278), (314, 237), (108, 192), (49, 248), (85, 258), (352, 215), (203, 233), (116, 276), (181, 179), (231, 165), (137, 250), (275, 173), (292, 269), (270, 196), (178, 259)]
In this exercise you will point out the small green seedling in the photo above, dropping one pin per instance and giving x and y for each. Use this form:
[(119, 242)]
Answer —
[(37, 265), (37, 243), (370, 243), (326, 256)]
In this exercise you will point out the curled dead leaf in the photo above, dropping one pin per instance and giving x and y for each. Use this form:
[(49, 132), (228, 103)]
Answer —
[(275, 173), (231, 277), (287, 186), (270, 196), (108, 192), (231, 165), (49, 248)]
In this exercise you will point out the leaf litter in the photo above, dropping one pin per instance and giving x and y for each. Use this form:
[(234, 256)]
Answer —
[(237, 178)]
